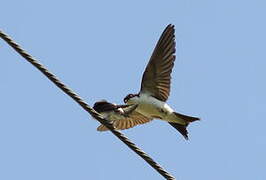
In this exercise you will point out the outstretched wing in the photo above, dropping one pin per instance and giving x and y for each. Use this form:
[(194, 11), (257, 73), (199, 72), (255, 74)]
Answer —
[(132, 120), (157, 76)]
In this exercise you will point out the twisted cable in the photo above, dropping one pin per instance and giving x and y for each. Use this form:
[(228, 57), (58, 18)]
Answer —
[(85, 106)]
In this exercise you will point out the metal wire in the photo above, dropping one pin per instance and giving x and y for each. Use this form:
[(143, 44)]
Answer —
[(85, 106)]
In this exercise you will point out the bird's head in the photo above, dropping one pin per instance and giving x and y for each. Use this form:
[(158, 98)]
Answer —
[(100, 106), (128, 97)]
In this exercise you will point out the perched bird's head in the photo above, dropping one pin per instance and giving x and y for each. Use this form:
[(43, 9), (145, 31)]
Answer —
[(103, 106), (128, 97)]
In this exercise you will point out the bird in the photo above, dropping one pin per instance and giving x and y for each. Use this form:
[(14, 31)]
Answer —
[(155, 86), (121, 116)]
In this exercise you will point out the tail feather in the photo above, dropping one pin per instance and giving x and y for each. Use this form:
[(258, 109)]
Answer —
[(186, 118), (181, 128)]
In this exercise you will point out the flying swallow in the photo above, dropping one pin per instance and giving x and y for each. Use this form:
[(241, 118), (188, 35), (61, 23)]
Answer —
[(155, 86), (122, 116)]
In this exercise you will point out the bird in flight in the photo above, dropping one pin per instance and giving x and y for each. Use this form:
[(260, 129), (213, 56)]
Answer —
[(122, 116), (155, 87)]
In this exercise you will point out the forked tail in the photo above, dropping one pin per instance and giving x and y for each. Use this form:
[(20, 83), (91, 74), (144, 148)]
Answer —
[(183, 128)]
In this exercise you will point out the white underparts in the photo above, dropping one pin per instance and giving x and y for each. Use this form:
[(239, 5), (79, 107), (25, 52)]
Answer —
[(154, 108)]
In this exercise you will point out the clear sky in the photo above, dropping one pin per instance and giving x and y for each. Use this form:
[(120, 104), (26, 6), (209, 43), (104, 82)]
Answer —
[(100, 49)]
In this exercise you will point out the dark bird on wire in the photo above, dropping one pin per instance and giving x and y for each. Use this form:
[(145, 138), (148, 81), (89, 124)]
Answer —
[(155, 87), (122, 116)]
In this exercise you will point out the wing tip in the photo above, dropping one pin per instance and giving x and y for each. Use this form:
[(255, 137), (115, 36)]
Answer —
[(171, 27)]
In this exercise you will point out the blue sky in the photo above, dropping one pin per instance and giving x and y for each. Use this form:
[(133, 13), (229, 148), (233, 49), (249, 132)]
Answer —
[(100, 50)]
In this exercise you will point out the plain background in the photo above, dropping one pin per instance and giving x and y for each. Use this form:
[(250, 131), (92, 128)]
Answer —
[(100, 49)]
